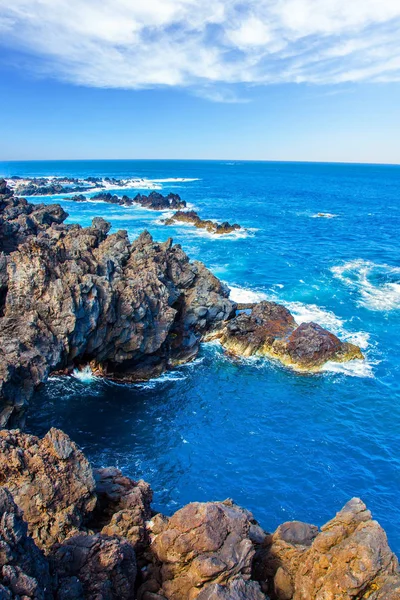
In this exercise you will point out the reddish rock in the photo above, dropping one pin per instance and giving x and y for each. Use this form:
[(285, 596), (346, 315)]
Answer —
[(51, 482)]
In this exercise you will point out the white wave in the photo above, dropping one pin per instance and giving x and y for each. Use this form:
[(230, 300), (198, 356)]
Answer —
[(173, 179), (244, 295), (84, 375), (378, 285), (353, 368), (304, 313)]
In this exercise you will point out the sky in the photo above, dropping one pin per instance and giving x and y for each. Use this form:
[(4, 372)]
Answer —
[(313, 80)]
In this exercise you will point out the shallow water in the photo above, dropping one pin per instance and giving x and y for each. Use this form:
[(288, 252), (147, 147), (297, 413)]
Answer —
[(282, 444)]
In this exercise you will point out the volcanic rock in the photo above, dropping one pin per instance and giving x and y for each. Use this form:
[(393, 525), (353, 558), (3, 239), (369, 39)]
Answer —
[(71, 296), (157, 201), (193, 218), (269, 329), (51, 482)]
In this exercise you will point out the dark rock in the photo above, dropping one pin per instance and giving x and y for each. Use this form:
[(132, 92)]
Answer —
[(71, 296), (157, 201), (24, 571), (95, 567), (78, 198), (193, 218)]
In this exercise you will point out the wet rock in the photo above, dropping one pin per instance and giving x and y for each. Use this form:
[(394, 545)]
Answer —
[(77, 198), (24, 571), (203, 544), (349, 558), (269, 329), (94, 567), (157, 201), (51, 482), (193, 218)]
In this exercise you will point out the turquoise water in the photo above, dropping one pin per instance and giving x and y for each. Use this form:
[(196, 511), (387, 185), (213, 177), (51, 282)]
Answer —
[(282, 444)]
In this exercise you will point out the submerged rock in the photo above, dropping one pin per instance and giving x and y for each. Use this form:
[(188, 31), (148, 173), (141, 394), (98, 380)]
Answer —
[(269, 329), (193, 218)]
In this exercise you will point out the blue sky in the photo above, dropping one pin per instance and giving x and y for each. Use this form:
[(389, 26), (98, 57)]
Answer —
[(266, 80)]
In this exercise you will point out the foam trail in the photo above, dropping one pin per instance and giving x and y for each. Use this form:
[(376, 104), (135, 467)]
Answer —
[(243, 295), (378, 285)]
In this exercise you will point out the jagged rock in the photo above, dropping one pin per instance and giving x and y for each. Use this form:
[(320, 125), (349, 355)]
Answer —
[(71, 296), (123, 507), (349, 558), (24, 571), (78, 198), (95, 567), (193, 218), (157, 201), (203, 544), (268, 329), (237, 589), (51, 482)]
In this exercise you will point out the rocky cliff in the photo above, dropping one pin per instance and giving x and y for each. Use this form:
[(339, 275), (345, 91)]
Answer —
[(71, 296), (70, 532)]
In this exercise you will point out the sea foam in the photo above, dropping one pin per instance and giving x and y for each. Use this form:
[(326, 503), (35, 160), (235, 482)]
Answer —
[(378, 285)]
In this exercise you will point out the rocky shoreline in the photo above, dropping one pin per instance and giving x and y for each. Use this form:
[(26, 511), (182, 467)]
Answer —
[(71, 532), (192, 218), (154, 201), (73, 296)]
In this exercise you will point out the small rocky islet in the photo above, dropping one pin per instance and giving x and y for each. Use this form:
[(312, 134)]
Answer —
[(192, 218), (72, 296)]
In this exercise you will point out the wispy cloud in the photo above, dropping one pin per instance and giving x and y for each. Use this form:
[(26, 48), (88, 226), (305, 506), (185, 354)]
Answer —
[(206, 45)]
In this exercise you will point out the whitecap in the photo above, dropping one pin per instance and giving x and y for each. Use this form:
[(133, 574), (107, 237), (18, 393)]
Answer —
[(378, 285), (305, 313), (352, 368)]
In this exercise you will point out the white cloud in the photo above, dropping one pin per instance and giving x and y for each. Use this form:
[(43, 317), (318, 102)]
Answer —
[(137, 43)]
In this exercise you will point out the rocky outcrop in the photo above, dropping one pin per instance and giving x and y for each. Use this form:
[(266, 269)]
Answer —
[(208, 551), (94, 567), (24, 571), (349, 558), (157, 201), (51, 482), (193, 218), (73, 296), (202, 544), (269, 329)]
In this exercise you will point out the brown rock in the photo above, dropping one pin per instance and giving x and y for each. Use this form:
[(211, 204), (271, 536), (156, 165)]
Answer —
[(268, 329), (99, 567), (50, 480), (203, 544), (193, 218), (349, 558), (24, 571)]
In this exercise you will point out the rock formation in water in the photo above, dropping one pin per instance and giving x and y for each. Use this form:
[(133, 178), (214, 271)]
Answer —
[(193, 218), (69, 532), (71, 296), (269, 329), (157, 201)]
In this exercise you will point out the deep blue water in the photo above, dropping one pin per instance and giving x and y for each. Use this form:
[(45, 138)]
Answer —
[(282, 444)]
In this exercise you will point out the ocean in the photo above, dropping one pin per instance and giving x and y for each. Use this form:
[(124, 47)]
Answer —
[(282, 444)]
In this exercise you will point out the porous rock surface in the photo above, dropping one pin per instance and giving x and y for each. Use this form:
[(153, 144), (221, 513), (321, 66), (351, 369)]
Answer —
[(348, 559), (269, 329), (100, 540), (193, 218), (71, 296)]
